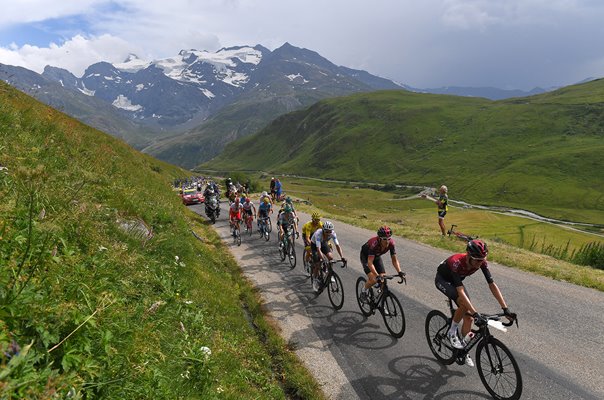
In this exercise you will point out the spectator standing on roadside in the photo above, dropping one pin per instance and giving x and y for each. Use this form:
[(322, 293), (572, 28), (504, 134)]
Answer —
[(443, 206)]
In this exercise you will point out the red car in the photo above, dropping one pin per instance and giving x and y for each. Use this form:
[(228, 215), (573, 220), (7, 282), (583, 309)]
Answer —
[(192, 196)]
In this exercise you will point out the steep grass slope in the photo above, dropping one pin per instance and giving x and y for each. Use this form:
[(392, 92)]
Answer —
[(104, 291), (542, 153)]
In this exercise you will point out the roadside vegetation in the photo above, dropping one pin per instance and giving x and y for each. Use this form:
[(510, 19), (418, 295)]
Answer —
[(105, 292)]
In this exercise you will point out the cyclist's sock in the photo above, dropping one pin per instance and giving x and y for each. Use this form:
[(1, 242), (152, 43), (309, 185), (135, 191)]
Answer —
[(453, 329)]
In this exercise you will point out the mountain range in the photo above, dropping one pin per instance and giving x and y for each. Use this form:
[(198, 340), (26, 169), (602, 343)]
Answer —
[(184, 109)]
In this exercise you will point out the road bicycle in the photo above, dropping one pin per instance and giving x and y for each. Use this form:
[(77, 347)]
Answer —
[(287, 248), (237, 234), (497, 368), (263, 228), (382, 299), (248, 223), (307, 260), (329, 279), (460, 235)]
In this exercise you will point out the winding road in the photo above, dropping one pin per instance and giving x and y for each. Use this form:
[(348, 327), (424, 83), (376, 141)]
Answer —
[(559, 346)]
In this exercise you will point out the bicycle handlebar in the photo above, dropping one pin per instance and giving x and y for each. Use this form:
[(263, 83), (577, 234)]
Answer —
[(403, 279), (497, 317)]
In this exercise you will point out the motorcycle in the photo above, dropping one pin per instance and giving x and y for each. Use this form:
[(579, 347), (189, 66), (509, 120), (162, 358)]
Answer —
[(212, 208)]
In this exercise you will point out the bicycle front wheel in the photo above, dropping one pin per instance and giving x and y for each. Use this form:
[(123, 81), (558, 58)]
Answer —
[(270, 225), (282, 251), (393, 315), (498, 370), (437, 325), (335, 290), (362, 300), (291, 253), (238, 237)]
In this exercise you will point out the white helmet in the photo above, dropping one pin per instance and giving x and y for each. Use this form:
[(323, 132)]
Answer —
[(265, 193), (327, 226)]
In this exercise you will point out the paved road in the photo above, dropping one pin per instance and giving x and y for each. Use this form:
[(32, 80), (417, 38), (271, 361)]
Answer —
[(559, 346)]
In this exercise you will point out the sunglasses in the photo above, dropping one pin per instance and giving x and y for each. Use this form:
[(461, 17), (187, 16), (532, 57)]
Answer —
[(327, 232), (478, 259), (384, 238)]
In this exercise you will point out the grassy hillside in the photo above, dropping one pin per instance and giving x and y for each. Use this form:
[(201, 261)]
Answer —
[(104, 290), (542, 153)]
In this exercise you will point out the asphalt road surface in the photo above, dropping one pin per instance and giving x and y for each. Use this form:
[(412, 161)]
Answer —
[(559, 345)]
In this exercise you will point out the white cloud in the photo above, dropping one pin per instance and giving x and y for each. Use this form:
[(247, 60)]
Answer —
[(74, 55)]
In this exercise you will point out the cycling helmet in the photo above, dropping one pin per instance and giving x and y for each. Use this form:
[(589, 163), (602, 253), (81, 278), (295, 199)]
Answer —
[(264, 193), (266, 200), (247, 199), (288, 200), (327, 226), (236, 200), (384, 232), (287, 208), (316, 216), (477, 249)]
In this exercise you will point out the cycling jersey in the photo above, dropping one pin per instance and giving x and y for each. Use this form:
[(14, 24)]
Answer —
[(317, 238), (455, 268), (372, 248), (310, 227), (248, 207), (263, 209), (285, 219), (235, 211), (443, 202)]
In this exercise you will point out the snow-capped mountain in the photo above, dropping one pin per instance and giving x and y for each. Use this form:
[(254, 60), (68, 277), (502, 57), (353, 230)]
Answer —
[(192, 85)]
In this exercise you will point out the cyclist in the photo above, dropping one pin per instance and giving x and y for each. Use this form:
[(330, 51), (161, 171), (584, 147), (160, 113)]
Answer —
[(285, 219), (235, 215), (264, 209), (371, 260), (319, 245), (449, 280), (308, 229), (249, 209)]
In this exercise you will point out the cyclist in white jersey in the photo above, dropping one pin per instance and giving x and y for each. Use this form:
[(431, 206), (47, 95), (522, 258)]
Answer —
[(319, 245)]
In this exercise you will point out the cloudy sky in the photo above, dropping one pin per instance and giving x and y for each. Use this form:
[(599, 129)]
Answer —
[(510, 44)]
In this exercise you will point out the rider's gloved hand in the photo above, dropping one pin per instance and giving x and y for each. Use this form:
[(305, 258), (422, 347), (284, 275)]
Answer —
[(297, 235), (506, 312), (402, 274), (379, 278), (344, 261), (479, 320)]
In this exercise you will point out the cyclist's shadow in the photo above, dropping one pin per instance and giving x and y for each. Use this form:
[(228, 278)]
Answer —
[(415, 375)]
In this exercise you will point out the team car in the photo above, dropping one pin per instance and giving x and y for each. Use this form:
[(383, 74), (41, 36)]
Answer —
[(191, 196)]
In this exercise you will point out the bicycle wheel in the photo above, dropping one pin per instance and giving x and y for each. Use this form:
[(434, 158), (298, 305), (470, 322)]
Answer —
[(307, 264), (250, 228), (437, 325), (393, 315), (261, 228), (238, 236), (267, 234), (270, 225), (364, 305), (335, 290), (498, 370), (282, 251), (291, 253)]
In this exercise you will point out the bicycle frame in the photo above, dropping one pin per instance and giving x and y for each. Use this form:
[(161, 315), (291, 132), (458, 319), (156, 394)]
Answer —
[(480, 334), (383, 291), (460, 235)]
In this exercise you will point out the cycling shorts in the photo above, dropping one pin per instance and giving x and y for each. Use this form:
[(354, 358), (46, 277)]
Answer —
[(325, 249), (377, 263), (447, 288), (441, 213)]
